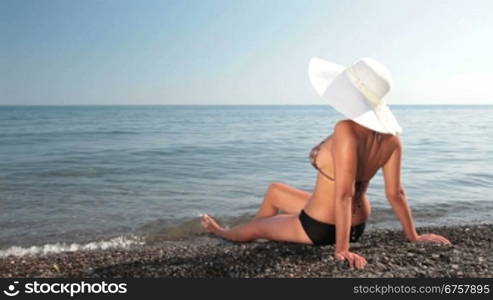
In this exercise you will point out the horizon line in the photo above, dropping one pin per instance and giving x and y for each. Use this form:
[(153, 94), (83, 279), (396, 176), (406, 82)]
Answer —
[(120, 104)]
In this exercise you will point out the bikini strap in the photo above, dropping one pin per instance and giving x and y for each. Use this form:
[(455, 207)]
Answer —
[(328, 177)]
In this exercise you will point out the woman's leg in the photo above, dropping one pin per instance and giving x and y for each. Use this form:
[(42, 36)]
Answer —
[(280, 196), (286, 227)]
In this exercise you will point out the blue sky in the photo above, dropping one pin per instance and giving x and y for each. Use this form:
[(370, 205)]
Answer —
[(238, 52)]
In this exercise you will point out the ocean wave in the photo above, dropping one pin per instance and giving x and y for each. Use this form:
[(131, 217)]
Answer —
[(117, 242), (61, 133)]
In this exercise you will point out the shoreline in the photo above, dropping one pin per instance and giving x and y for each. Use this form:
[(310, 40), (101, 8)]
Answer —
[(204, 256)]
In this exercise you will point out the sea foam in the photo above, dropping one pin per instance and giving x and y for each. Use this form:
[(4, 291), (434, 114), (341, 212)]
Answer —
[(117, 242)]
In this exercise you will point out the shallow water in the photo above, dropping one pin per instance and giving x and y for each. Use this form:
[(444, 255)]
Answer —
[(82, 173)]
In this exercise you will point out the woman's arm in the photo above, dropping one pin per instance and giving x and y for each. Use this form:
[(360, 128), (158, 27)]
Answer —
[(395, 193), (344, 153), (396, 196)]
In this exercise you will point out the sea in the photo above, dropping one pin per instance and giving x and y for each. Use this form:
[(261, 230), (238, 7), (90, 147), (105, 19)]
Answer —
[(93, 177)]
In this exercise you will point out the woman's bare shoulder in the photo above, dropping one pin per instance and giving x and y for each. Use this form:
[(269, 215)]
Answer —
[(344, 128), (394, 142)]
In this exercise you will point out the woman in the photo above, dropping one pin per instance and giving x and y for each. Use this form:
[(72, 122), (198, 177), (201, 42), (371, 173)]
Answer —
[(338, 208)]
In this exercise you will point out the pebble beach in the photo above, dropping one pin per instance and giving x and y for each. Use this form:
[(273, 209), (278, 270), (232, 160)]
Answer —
[(204, 256)]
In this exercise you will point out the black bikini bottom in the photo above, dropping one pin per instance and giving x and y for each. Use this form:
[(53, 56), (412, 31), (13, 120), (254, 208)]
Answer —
[(325, 234)]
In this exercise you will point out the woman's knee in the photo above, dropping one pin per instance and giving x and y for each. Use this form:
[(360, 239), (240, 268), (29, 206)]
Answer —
[(274, 188)]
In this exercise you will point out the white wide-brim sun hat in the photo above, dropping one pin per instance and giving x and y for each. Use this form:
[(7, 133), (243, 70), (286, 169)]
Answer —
[(356, 91)]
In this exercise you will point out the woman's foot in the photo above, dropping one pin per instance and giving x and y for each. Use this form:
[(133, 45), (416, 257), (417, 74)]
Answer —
[(211, 225)]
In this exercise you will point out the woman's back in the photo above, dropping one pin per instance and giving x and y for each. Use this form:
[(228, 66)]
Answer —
[(373, 151)]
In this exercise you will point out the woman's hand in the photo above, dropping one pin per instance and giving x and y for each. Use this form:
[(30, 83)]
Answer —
[(355, 260), (431, 238)]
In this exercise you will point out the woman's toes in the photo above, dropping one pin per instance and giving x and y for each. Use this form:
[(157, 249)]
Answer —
[(204, 221), (210, 224)]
